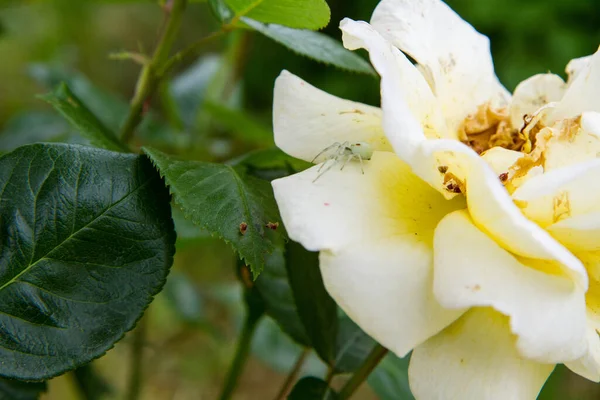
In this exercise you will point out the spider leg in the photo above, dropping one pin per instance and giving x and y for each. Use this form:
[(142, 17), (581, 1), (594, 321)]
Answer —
[(331, 164), (326, 149), (361, 164), (350, 157)]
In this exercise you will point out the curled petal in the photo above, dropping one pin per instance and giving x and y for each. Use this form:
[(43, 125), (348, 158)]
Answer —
[(534, 93), (475, 358), (547, 312), (410, 111), (385, 287), (588, 366), (492, 209), (456, 57), (582, 94), (307, 120), (561, 194)]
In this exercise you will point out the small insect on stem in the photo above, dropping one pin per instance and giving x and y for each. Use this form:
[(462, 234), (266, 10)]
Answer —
[(344, 153)]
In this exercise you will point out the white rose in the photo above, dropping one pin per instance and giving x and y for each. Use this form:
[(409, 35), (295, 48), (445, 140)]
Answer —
[(473, 235)]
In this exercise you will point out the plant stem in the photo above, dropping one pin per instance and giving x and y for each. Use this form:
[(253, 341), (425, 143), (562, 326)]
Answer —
[(363, 372), (241, 355), (191, 51), (134, 384), (149, 77), (293, 375)]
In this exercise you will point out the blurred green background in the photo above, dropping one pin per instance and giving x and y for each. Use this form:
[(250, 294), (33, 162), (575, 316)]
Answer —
[(192, 325)]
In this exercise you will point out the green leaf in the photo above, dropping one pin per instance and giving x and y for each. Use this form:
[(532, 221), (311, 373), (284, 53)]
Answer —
[(189, 88), (66, 103), (35, 126), (242, 125), (317, 310), (279, 300), (220, 10), (270, 163), (226, 202), (305, 14), (315, 45), (109, 108), (18, 390), (86, 241), (311, 388), (390, 379), (353, 346)]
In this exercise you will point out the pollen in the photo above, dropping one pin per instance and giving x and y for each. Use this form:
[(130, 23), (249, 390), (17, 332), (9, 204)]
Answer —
[(490, 127)]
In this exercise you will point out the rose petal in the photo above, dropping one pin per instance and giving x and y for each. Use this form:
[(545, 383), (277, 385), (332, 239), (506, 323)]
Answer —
[(588, 366), (561, 193), (307, 120), (492, 209), (547, 312), (409, 108), (345, 207), (385, 287), (575, 66), (533, 93), (475, 358), (456, 56), (582, 94)]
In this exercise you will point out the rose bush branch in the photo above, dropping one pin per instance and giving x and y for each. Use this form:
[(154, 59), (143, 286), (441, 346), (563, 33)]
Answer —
[(149, 78)]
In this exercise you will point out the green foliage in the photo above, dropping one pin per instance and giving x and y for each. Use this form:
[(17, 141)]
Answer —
[(353, 346), (86, 242), (316, 309), (17, 390), (185, 298), (315, 45), (35, 126), (390, 379), (305, 14), (66, 103), (274, 286), (224, 200), (311, 388), (240, 123), (220, 10)]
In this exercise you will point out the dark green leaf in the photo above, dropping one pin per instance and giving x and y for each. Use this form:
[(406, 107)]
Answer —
[(35, 126), (390, 379), (316, 308), (353, 346), (279, 300), (220, 10), (311, 388), (86, 241), (66, 103), (305, 14), (226, 202), (242, 125), (315, 45), (17, 390)]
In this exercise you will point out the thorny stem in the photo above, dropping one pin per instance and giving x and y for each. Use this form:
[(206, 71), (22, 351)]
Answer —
[(293, 375), (134, 384), (241, 355), (148, 79), (363, 372)]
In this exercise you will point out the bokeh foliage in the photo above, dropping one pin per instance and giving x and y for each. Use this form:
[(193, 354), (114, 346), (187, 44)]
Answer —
[(194, 321)]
